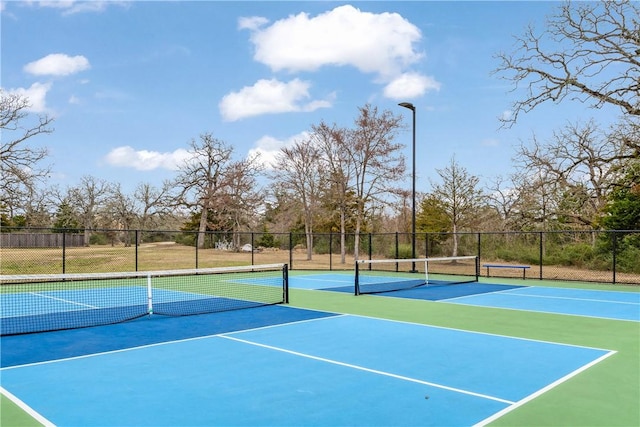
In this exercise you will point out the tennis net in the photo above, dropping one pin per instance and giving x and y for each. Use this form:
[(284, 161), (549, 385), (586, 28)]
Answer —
[(387, 275), (47, 302)]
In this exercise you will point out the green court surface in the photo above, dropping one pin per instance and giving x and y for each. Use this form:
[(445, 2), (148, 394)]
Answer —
[(606, 394)]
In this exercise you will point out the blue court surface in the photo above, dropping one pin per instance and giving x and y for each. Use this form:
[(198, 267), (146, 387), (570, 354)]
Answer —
[(323, 281), (318, 370), (579, 302), (569, 301)]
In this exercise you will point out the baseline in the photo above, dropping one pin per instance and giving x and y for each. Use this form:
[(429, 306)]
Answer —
[(577, 302)]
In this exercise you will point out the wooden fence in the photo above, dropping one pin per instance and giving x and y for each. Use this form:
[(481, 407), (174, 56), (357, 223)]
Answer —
[(40, 240)]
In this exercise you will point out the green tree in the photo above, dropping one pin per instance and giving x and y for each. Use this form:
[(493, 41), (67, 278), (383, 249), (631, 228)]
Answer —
[(432, 216), (65, 218), (459, 197), (623, 210)]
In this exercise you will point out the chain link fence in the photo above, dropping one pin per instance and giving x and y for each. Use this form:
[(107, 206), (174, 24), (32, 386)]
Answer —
[(595, 256)]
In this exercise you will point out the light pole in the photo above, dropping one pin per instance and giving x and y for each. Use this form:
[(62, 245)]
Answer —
[(412, 107)]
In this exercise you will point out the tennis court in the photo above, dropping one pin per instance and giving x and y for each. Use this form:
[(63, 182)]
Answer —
[(327, 358), (40, 303), (328, 370), (578, 302)]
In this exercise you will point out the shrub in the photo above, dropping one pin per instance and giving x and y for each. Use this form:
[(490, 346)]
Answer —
[(577, 255), (404, 252), (627, 260), (98, 239)]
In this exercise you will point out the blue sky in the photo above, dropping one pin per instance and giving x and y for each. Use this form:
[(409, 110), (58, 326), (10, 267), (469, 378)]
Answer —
[(131, 83)]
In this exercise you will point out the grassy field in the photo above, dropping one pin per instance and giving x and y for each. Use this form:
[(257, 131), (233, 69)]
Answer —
[(169, 255)]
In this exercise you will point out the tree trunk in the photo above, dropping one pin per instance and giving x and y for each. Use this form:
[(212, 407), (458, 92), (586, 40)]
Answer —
[(455, 240), (309, 235), (202, 228)]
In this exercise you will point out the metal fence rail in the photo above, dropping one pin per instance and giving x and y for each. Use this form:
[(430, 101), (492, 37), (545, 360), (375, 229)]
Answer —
[(595, 255)]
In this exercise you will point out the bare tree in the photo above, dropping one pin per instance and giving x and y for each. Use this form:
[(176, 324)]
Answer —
[(223, 191), (536, 204), (21, 163), (298, 170), (152, 202), (459, 197), (503, 197), (627, 132), (589, 51), (377, 162), (335, 158), (580, 165), (242, 195), (200, 179), (122, 209), (89, 198)]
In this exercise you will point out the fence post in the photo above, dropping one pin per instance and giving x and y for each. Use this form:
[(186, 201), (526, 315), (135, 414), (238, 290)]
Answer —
[(397, 249), (370, 248), (290, 251), (252, 248), (197, 239), (541, 249), (136, 249), (64, 252), (614, 257), (330, 250)]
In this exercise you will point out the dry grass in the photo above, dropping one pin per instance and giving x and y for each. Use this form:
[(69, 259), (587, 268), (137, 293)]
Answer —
[(167, 255)]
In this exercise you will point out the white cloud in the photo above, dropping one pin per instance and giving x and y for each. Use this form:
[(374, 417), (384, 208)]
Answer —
[(145, 160), (70, 7), (268, 97), (410, 85), (57, 64), (251, 22), (268, 147), (373, 43), (36, 94), (56, 4)]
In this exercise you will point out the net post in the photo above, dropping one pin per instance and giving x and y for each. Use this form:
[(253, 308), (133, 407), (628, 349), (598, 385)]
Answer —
[(285, 283), (356, 279), (426, 271), (149, 295)]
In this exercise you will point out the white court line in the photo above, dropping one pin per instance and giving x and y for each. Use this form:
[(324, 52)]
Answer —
[(424, 325), (26, 408), (511, 407), (306, 278), (158, 344), (374, 371), (572, 298), (542, 390), (511, 292), (483, 293), (63, 300), (559, 313)]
